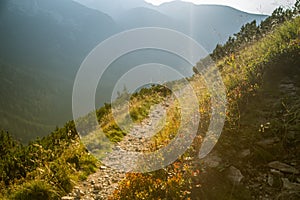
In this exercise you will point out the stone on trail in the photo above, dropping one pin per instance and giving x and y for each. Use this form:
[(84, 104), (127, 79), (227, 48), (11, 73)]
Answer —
[(235, 175), (212, 161), (245, 153), (103, 167), (67, 198), (290, 186), (283, 167), (268, 142), (270, 180)]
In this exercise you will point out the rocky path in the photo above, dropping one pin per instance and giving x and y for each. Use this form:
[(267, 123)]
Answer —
[(101, 184)]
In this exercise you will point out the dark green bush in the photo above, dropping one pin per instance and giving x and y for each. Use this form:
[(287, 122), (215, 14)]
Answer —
[(35, 190)]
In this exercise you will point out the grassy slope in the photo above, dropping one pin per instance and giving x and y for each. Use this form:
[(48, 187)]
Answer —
[(46, 168), (253, 77), (243, 75)]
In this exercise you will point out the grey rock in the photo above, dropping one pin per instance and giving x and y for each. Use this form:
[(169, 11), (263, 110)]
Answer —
[(81, 193), (270, 180), (97, 187), (283, 167), (276, 172), (290, 186), (103, 167), (268, 142), (117, 148), (235, 175), (106, 176), (67, 198), (212, 161), (245, 153)]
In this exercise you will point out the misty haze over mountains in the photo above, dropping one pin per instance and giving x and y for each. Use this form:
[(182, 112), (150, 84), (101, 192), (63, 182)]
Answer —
[(44, 42)]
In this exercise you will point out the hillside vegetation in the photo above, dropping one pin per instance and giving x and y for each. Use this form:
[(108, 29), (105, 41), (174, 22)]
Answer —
[(48, 168)]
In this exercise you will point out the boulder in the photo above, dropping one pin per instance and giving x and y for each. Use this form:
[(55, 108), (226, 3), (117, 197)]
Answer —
[(235, 175), (67, 198), (212, 161), (283, 167), (290, 186), (268, 142)]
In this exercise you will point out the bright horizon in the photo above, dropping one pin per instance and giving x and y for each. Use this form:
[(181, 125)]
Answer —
[(251, 6)]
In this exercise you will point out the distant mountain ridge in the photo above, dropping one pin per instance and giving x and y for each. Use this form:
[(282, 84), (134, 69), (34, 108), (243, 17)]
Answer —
[(114, 8), (208, 24)]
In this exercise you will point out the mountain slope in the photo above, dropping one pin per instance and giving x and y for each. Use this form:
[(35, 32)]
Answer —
[(42, 46), (28, 100), (51, 34)]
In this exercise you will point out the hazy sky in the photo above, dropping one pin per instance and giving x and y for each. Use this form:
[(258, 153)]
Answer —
[(252, 6)]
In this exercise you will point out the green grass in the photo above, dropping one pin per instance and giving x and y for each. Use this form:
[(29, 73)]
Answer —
[(37, 190), (47, 167)]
